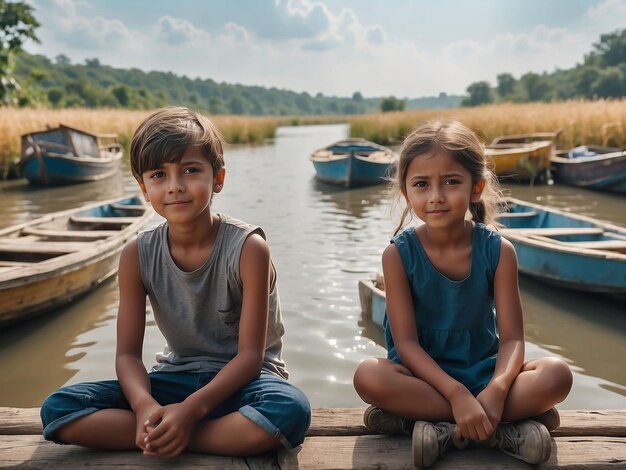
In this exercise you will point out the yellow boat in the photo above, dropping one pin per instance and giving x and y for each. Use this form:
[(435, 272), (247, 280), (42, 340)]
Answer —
[(523, 157)]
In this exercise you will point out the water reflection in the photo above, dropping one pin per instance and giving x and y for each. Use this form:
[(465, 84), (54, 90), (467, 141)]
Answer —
[(323, 241)]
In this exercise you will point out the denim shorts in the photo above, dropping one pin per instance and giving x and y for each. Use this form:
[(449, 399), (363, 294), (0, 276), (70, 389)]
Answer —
[(269, 401)]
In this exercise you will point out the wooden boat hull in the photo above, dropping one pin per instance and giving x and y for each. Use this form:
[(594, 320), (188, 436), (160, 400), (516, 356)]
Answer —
[(50, 261), (64, 155), (605, 172), (353, 171), (570, 250), (521, 162), (373, 301), (60, 169), (353, 163)]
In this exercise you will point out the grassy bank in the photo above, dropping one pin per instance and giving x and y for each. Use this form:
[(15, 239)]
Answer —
[(15, 122), (584, 122)]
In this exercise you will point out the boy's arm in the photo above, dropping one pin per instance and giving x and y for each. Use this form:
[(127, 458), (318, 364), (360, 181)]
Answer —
[(510, 356), (131, 322), (468, 413), (172, 435)]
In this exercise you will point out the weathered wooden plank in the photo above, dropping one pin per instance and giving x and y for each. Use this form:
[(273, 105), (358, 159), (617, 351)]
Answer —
[(391, 452), (33, 452), (555, 231), (69, 234), (349, 422)]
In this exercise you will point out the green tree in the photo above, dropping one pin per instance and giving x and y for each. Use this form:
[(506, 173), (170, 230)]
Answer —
[(357, 96), (123, 95), (506, 85), (610, 84), (55, 95), (610, 50), (537, 87), (17, 25), (478, 93), (391, 103)]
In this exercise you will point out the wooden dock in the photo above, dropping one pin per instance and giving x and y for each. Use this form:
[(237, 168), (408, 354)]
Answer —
[(337, 439)]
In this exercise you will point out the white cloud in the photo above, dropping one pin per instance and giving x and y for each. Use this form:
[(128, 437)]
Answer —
[(179, 32), (606, 13), (236, 34)]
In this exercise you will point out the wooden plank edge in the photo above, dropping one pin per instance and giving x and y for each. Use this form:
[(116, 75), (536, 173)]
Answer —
[(349, 422)]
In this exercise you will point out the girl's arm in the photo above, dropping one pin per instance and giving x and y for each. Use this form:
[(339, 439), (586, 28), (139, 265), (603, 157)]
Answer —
[(511, 331), (131, 322), (172, 435), (468, 413)]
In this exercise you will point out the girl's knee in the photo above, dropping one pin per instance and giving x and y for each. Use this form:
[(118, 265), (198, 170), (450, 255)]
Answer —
[(557, 375), (367, 381)]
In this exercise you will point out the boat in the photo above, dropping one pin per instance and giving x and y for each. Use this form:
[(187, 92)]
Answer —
[(65, 155), (591, 167), (47, 262), (372, 298), (522, 157), (353, 162), (567, 249)]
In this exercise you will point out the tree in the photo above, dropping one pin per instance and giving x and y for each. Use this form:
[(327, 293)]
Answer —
[(62, 60), (391, 103), (357, 96), (610, 84), (479, 93), (506, 85), (17, 25), (537, 86), (610, 50)]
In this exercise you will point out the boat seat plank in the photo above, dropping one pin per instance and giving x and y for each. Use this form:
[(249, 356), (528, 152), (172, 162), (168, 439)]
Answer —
[(68, 234), (102, 220), (14, 264), (129, 207), (555, 231), (512, 215), (14, 246), (600, 245)]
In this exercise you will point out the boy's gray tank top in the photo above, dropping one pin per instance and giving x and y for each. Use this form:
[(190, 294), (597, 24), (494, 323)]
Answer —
[(198, 312)]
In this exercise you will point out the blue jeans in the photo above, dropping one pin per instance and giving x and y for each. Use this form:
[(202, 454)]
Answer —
[(269, 401)]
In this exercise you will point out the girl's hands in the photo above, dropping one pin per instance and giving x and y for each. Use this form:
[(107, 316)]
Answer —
[(492, 400), (471, 420), (169, 430)]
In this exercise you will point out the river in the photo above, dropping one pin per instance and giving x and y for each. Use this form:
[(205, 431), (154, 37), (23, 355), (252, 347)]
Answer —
[(323, 240)]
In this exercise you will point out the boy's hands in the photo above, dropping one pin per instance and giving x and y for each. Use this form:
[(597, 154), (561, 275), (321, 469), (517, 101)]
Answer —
[(169, 430), (142, 414), (471, 420)]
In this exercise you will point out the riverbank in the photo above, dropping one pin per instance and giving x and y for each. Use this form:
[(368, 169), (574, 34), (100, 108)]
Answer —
[(337, 439)]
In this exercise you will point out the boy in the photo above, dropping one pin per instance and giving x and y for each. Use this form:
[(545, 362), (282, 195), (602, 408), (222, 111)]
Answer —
[(219, 386)]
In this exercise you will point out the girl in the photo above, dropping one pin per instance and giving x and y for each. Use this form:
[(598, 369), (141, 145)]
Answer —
[(454, 327)]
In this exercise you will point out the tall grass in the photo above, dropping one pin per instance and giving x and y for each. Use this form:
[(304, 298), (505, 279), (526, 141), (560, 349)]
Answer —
[(584, 122), (15, 122)]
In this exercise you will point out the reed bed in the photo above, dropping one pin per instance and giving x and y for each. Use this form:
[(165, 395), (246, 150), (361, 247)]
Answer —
[(584, 122), (15, 122)]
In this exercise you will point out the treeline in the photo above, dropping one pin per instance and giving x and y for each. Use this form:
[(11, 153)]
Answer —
[(60, 84), (602, 74)]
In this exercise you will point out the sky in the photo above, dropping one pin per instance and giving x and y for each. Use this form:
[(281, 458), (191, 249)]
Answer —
[(404, 48)]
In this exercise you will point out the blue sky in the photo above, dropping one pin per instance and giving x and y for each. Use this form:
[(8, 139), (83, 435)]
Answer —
[(386, 47)]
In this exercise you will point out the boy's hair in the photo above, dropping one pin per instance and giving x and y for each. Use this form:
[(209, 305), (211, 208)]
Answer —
[(464, 146), (167, 133)]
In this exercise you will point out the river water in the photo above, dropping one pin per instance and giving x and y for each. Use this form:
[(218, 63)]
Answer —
[(323, 240)]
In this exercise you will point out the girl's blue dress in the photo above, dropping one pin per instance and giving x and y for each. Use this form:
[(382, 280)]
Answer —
[(456, 321)]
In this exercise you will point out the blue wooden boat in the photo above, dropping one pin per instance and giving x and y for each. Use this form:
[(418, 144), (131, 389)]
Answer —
[(353, 162), (64, 155), (570, 250), (47, 262), (372, 298), (602, 168)]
